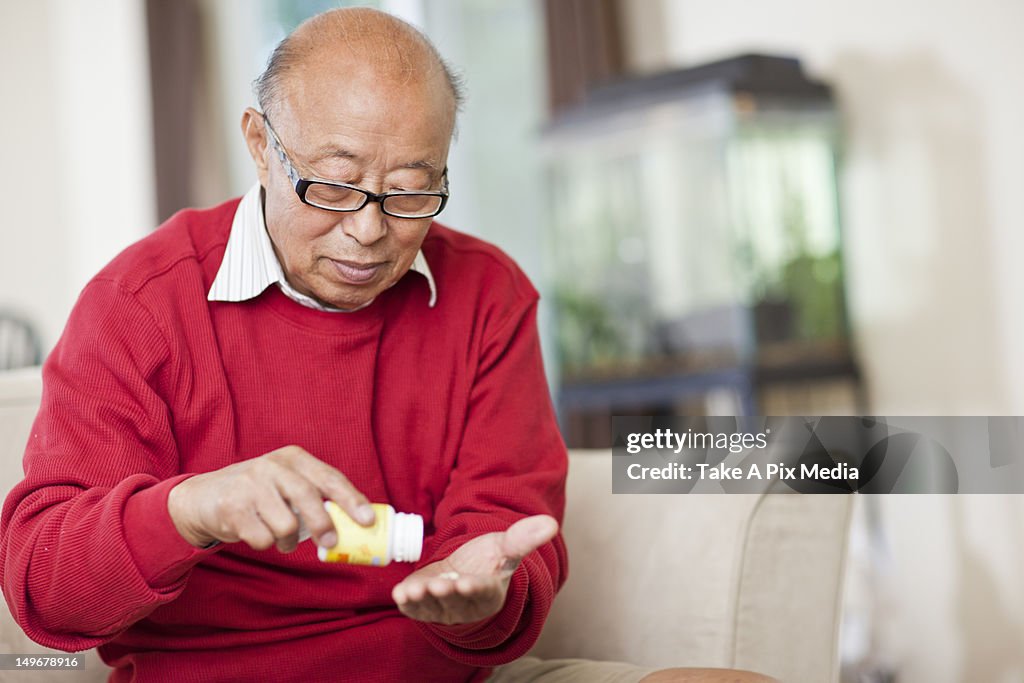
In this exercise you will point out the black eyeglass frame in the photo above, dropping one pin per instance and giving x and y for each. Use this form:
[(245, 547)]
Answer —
[(302, 185)]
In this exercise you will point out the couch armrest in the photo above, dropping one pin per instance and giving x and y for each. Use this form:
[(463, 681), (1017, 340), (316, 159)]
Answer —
[(718, 580), (20, 391)]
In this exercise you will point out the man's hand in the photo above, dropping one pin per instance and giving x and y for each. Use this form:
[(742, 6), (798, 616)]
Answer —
[(257, 501), (470, 584)]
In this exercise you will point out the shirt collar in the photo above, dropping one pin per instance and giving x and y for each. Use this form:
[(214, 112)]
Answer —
[(250, 264)]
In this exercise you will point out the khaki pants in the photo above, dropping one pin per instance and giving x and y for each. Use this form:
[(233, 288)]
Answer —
[(533, 670)]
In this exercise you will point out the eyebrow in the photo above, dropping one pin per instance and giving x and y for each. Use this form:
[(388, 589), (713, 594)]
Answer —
[(337, 153)]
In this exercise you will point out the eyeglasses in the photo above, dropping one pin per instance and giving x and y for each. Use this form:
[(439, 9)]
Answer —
[(332, 196)]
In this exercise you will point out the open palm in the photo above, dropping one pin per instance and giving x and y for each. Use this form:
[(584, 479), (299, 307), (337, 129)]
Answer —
[(470, 584)]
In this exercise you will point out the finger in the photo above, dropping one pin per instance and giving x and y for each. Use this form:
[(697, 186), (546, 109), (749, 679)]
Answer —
[(413, 589), (427, 608), (403, 596), (280, 519), (480, 596), (474, 598), (440, 587), (252, 531), (417, 602), (276, 514), (304, 533), (471, 586), (525, 536), (304, 501), (287, 544), (332, 484)]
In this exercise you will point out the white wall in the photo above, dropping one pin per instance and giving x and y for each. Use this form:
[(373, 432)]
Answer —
[(932, 182), (33, 265), (77, 178)]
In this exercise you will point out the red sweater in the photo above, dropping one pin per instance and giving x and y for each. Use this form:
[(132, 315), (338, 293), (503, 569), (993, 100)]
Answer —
[(440, 411)]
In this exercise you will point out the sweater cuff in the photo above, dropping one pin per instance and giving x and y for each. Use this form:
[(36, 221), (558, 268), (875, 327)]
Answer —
[(161, 554)]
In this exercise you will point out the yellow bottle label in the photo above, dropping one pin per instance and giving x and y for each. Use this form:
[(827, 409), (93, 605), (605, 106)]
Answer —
[(358, 544)]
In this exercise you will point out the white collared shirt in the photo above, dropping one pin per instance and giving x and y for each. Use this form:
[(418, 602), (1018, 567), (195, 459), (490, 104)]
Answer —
[(250, 264)]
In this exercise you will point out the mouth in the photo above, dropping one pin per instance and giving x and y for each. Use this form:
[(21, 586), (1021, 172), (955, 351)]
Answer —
[(355, 272)]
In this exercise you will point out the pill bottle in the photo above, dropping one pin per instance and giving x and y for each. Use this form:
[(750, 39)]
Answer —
[(393, 536)]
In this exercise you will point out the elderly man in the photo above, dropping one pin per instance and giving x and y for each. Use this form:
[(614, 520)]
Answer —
[(320, 339)]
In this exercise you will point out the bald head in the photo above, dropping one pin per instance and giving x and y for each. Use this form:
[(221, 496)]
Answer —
[(353, 98), (357, 40)]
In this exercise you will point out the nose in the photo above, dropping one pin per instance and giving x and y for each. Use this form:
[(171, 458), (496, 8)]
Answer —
[(367, 225)]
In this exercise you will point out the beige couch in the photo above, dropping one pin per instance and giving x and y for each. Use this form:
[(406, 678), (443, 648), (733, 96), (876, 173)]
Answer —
[(741, 581)]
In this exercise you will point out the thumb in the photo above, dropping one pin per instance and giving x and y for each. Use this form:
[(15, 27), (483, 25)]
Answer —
[(527, 535)]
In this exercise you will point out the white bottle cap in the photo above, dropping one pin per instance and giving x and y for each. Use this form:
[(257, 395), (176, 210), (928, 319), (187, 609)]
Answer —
[(407, 537)]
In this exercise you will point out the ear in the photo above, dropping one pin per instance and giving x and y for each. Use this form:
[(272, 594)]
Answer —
[(255, 134)]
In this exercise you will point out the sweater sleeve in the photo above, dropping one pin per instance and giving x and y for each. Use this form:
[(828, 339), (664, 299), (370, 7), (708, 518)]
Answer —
[(512, 463), (88, 546)]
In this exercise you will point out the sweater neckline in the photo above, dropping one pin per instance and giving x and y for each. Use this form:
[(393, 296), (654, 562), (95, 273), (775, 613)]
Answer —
[(332, 322)]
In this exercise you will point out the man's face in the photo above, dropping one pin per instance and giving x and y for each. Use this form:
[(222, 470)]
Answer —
[(365, 130)]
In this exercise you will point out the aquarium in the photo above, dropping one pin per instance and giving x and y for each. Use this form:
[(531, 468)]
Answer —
[(695, 223)]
